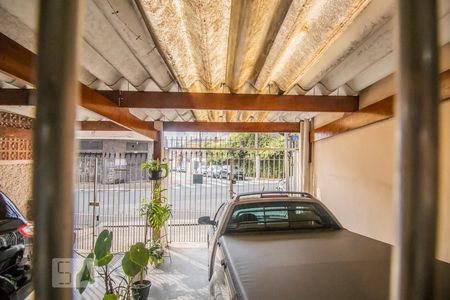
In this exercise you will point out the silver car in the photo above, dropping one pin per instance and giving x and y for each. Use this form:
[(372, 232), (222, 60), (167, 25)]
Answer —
[(285, 245)]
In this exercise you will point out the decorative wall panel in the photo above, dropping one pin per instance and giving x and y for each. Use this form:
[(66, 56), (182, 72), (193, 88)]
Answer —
[(13, 148)]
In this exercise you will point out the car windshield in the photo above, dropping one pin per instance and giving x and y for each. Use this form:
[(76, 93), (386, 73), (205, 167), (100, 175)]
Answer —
[(286, 215), (8, 211)]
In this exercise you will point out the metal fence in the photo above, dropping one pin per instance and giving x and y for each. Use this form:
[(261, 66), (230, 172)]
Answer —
[(108, 193), (203, 174), (207, 172)]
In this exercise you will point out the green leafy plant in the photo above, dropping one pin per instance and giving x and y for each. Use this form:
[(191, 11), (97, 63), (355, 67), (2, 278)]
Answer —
[(135, 262), (156, 252), (100, 257), (156, 166), (156, 211)]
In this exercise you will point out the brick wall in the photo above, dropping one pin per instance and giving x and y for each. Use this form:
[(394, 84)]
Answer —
[(16, 182), (16, 159)]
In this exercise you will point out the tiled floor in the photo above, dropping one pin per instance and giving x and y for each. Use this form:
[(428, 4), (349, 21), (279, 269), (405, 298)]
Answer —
[(182, 277)]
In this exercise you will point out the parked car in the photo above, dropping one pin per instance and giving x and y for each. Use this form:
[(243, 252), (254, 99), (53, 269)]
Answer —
[(181, 169), (16, 234), (281, 185), (116, 171), (204, 170), (278, 245), (214, 171), (238, 173)]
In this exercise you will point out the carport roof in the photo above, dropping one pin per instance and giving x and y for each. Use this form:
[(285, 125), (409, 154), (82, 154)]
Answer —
[(312, 47)]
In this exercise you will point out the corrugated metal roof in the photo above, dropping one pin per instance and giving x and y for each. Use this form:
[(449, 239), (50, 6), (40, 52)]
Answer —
[(263, 46)]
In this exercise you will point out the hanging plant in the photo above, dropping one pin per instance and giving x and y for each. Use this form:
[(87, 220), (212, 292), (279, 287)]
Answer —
[(156, 169)]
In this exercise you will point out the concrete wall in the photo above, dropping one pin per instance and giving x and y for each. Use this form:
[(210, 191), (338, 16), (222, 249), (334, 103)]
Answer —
[(354, 177), (16, 182)]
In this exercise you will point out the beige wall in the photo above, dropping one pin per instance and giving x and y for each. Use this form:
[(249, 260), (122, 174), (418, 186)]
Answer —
[(354, 172), (16, 182)]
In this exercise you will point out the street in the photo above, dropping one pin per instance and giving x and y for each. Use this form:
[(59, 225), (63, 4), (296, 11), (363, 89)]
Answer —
[(117, 205)]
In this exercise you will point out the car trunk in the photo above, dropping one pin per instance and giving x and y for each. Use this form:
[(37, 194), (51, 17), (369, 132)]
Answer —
[(308, 265)]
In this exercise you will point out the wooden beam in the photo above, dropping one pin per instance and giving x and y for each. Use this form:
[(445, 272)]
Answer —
[(243, 102), (21, 97), (18, 62), (232, 126), (100, 126), (371, 114), (17, 133), (201, 126), (94, 101)]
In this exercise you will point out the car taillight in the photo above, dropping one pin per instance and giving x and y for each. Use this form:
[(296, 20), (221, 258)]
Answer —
[(27, 230)]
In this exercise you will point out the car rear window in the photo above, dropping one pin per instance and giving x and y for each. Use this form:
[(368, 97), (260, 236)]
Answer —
[(7, 209), (287, 215)]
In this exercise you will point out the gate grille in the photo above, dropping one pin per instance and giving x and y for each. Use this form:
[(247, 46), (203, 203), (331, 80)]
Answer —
[(108, 193), (204, 174), (207, 172)]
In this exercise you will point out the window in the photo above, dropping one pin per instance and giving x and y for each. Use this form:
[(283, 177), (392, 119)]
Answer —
[(7, 209), (137, 146), (91, 145), (279, 216), (219, 213)]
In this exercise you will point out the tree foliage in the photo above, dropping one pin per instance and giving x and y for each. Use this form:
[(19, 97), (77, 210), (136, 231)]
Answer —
[(242, 153)]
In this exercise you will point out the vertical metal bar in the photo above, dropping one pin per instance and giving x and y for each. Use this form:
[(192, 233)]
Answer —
[(57, 94), (417, 151), (94, 204), (286, 162)]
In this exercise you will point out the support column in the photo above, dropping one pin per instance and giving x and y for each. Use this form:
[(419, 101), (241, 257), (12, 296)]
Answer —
[(57, 96), (417, 151), (286, 163), (158, 154), (305, 154), (297, 160), (257, 158)]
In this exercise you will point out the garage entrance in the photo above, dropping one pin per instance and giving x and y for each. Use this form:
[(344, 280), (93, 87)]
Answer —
[(206, 172), (108, 192)]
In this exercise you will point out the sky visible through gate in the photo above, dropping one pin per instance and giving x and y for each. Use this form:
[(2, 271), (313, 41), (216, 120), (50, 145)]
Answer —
[(199, 182)]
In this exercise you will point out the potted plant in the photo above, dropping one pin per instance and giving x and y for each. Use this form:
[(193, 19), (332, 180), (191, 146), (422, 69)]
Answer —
[(155, 169), (156, 212), (100, 257), (135, 262)]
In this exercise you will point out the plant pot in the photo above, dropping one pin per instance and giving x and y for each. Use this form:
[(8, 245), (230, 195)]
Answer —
[(141, 289), (155, 175)]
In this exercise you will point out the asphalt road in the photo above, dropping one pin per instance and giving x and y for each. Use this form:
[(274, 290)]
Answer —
[(121, 202), (118, 206)]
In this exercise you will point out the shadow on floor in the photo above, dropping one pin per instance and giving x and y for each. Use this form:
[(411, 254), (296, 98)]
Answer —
[(182, 277)]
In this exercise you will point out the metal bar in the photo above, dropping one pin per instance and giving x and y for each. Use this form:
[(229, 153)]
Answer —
[(417, 151), (95, 202), (57, 96)]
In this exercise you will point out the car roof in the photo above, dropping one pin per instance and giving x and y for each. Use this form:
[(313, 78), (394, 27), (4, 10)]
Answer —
[(274, 195)]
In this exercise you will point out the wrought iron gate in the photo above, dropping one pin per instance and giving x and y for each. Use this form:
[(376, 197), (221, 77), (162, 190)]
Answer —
[(108, 193), (203, 174), (207, 172)]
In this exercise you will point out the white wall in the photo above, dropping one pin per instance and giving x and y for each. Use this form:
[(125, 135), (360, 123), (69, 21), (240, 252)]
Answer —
[(354, 174)]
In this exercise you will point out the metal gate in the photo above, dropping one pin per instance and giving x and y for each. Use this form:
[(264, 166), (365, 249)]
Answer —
[(108, 193), (207, 172), (204, 173)]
